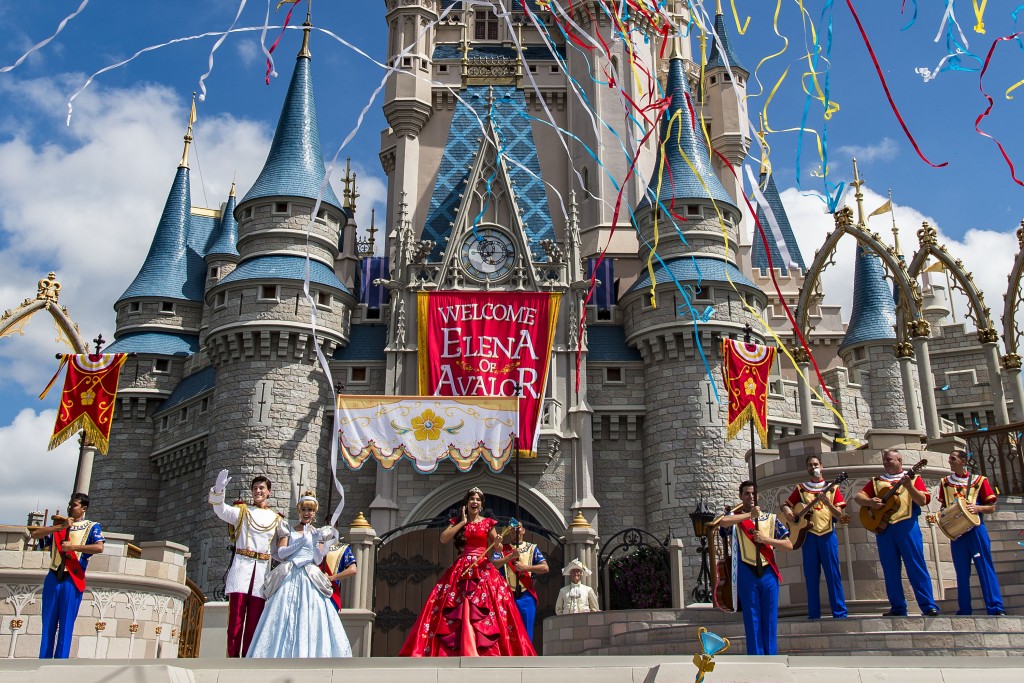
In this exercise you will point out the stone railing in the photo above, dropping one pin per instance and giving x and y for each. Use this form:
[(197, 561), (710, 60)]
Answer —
[(131, 608)]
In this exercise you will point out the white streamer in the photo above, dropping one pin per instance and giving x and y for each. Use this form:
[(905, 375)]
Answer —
[(209, 68), (43, 43)]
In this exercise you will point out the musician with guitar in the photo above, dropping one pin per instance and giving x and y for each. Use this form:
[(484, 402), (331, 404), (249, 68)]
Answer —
[(521, 561), (72, 540), (757, 574), (973, 545), (812, 510), (891, 504)]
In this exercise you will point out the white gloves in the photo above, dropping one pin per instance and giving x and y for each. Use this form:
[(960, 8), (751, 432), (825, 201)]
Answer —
[(328, 534), (222, 482)]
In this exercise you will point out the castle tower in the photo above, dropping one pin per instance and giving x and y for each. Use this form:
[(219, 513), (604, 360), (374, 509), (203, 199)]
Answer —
[(725, 111), (271, 396), (158, 319), (867, 348), (687, 254)]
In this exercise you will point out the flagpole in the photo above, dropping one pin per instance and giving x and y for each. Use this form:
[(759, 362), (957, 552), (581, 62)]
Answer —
[(747, 330)]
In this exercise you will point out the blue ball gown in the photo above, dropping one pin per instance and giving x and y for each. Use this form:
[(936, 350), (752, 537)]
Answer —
[(299, 620)]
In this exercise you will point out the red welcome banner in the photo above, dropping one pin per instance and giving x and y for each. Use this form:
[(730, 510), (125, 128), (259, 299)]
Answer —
[(746, 368), (487, 343), (87, 401)]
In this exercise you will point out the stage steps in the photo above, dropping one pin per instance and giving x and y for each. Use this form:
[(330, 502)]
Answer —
[(977, 636)]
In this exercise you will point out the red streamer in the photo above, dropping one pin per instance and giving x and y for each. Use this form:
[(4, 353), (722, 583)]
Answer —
[(287, 18), (991, 102)]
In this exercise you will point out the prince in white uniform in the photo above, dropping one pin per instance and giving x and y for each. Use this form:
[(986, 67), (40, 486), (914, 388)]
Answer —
[(255, 529), (577, 597)]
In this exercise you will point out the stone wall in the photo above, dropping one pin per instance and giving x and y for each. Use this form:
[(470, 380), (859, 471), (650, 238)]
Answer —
[(131, 608)]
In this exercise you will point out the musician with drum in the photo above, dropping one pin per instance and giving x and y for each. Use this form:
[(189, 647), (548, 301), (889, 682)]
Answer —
[(965, 497), (899, 535), (812, 510)]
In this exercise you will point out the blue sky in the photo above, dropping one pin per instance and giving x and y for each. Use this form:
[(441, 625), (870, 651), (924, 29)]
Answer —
[(84, 199)]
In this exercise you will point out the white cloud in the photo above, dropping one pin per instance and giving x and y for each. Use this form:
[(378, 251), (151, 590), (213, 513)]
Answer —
[(33, 477), (885, 150), (987, 253)]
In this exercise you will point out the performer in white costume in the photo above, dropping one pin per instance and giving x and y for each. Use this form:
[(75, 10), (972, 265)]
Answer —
[(254, 529), (300, 619), (577, 597)]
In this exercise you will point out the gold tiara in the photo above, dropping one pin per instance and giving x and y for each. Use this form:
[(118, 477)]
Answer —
[(475, 489)]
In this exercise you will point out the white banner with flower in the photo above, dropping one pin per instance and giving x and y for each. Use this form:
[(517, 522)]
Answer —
[(427, 430)]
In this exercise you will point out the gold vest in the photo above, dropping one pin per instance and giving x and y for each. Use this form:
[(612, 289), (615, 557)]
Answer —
[(969, 493), (525, 551), (78, 533), (333, 557), (748, 552), (882, 486), (821, 517)]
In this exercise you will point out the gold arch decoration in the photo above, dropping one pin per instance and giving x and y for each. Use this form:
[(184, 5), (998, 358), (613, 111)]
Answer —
[(1011, 304), (960, 280), (13, 321), (909, 306)]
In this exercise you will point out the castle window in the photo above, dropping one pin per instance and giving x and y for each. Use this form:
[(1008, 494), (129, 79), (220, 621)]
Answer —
[(358, 375), (134, 307), (164, 423), (533, 68), (184, 415), (613, 376), (372, 314), (321, 216), (214, 272), (727, 78), (693, 210), (554, 68), (204, 405), (167, 307), (323, 299), (713, 80), (220, 300), (406, 61), (161, 365), (247, 213), (280, 207), (268, 292), (486, 26), (442, 68), (586, 180)]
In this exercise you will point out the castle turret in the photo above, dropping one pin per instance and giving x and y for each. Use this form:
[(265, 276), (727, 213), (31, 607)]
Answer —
[(867, 348), (699, 298)]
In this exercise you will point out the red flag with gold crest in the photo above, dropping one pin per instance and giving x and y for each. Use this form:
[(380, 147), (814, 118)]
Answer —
[(87, 401), (746, 369)]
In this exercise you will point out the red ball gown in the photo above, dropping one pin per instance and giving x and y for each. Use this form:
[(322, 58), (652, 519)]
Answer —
[(471, 615)]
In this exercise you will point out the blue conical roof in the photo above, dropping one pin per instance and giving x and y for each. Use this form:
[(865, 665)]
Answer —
[(171, 259), (874, 309), (672, 177), (759, 257), (295, 165), (715, 57), (225, 239)]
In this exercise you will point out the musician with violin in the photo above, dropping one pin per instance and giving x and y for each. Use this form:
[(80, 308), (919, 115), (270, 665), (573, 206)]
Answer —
[(757, 575), (978, 498), (898, 497), (521, 561), (812, 510), (72, 540)]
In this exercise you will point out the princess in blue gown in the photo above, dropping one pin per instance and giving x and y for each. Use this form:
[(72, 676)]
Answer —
[(300, 620)]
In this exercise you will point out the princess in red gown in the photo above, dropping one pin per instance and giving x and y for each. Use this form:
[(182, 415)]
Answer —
[(469, 614)]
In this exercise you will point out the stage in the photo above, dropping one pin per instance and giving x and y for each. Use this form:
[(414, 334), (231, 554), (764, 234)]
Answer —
[(613, 669)]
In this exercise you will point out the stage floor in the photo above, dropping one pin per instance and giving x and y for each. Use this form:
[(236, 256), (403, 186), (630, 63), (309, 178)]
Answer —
[(611, 669)]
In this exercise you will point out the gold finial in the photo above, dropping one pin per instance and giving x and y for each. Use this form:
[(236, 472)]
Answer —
[(579, 521), (764, 144), (895, 229), (844, 216), (360, 522), (677, 47), (232, 193), (927, 235), (347, 179), (857, 183), (188, 133), (48, 289), (307, 26), (718, 8)]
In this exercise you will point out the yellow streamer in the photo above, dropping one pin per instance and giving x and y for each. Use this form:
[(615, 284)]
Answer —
[(785, 46), (1012, 88), (736, 17), (979, 13)]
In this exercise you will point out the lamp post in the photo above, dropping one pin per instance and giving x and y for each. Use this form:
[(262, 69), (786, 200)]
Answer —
[(701, 517)]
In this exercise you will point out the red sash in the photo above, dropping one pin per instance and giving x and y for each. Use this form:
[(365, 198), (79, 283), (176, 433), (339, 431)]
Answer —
[(767, 552), (525, 578), (74, 568)]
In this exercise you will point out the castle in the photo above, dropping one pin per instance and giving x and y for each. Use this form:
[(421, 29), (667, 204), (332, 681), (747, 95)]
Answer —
[(225, 371)]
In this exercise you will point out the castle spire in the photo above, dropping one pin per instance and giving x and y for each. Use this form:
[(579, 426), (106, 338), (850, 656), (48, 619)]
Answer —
[(307, 26), (188, 133), (716, 59)]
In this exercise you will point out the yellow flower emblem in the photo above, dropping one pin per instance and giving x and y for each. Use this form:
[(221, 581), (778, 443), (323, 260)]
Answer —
[(751, 387), (427, 426)]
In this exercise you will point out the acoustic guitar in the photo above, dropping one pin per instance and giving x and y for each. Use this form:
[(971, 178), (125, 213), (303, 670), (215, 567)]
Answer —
[(798, 530), (876, 521)]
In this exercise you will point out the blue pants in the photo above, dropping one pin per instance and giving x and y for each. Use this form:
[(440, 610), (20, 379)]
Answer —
[(759, 600), (61, 601), (528, 611), (822, 552), (975, 545), (900, 544)]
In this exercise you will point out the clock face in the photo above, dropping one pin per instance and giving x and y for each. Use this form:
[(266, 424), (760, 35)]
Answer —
[(488, 254)]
